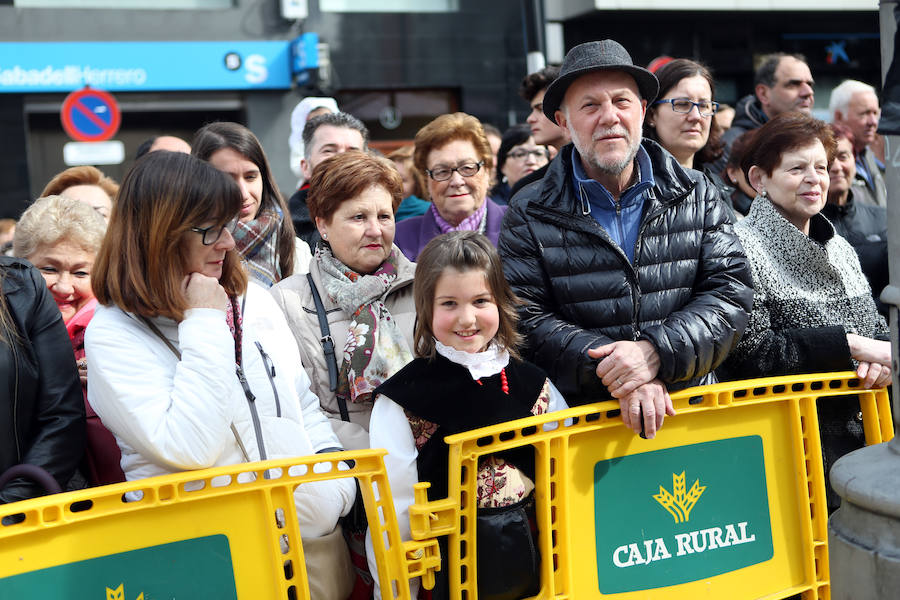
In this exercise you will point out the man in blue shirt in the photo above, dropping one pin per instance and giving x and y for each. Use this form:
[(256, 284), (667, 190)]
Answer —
[(633, 279)]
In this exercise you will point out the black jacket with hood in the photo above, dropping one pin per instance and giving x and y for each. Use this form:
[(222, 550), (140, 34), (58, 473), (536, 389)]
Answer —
[(689, 291)]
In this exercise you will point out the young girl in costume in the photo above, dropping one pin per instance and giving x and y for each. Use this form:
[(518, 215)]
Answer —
[(467, 375)]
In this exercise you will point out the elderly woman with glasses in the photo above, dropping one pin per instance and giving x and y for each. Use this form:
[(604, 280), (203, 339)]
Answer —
[(454, 153), (682, 119)]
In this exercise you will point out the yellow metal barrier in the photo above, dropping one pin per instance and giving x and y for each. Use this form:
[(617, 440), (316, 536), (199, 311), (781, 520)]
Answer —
[(236, 536), (727, 502)]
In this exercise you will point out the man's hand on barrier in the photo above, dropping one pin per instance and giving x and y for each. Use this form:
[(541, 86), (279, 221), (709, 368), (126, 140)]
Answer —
[(625, 366), (653, 400)]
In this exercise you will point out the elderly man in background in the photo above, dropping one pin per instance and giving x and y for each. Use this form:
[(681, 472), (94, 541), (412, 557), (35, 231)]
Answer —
[(323, 137), (633, 279), (855, 105)]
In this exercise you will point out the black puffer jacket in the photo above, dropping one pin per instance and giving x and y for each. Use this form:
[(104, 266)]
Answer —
[(42, 410), (689, 291)]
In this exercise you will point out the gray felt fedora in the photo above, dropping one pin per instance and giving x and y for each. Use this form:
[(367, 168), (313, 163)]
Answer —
[(604, 55)]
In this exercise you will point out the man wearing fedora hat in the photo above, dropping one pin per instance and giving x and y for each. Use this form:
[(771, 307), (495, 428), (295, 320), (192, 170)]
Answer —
[(633, 280)]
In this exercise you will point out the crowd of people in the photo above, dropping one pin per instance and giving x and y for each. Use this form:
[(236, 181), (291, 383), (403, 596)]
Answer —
[(621, 244)]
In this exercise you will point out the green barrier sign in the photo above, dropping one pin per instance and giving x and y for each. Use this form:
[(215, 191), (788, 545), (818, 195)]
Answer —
[(197, 568), (681, 514)]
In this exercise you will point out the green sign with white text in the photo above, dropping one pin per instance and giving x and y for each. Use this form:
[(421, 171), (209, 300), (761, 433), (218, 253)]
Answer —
[(682, 514), (196, 568)]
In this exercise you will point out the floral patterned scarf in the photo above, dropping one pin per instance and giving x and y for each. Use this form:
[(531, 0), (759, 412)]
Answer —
[(257, 243), (375, 347)]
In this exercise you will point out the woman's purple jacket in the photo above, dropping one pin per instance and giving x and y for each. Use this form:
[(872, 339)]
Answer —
[(412, 234)]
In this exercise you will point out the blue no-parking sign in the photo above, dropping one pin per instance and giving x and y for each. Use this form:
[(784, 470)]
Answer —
[(90, 115)]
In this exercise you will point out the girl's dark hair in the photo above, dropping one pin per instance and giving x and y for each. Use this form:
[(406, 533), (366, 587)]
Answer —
[(669, 76), (213, 137), (462, 251)]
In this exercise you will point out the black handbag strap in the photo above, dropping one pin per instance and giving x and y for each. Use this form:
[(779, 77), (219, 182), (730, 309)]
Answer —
[(327, 346)]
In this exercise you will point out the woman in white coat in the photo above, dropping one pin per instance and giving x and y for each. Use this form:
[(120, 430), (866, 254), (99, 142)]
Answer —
[(191, 366)]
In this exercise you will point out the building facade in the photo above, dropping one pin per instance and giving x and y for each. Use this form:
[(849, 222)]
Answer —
[(206, 60)]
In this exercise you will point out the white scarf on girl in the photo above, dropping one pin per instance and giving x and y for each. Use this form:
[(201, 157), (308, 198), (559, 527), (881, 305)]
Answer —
[(480, 364)]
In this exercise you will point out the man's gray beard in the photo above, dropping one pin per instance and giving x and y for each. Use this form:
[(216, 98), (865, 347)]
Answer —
[(606, 167)]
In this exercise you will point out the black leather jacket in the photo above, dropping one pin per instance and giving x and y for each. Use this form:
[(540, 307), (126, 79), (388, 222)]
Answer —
[(689, 291), (42, 410)]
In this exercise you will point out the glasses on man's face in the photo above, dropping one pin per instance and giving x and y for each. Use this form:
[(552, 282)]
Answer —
[(210, 235), (537, 154), (445, 173), (684, 106)]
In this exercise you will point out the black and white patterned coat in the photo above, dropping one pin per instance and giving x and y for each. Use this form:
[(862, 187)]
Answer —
[(809, 293)]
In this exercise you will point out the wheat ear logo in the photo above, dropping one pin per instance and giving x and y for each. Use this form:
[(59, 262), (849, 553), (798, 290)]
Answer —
[(679, 503), (119, 593)]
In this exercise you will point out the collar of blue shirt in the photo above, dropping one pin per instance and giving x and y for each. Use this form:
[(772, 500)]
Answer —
[(599, 197)]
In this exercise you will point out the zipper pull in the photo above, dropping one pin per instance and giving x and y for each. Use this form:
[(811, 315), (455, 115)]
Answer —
[(245, 385), (267, 361)]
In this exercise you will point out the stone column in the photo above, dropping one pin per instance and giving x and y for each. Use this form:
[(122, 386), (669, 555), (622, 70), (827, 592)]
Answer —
[(864, 533)]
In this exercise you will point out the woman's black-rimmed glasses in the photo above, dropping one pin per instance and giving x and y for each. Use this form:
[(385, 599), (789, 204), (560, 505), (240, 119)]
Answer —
[(210, 235), (445, 173)]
